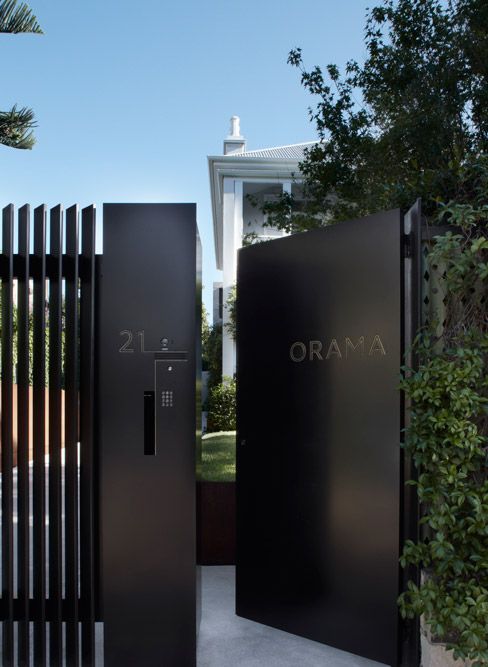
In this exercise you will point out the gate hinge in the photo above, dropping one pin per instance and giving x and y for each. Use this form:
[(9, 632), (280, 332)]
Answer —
[(408, 244)]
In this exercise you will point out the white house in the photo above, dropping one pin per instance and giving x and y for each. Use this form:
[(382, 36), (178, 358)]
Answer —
[(237, 178)]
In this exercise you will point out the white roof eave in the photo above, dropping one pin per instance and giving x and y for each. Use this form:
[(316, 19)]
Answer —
[(216, 200), (237, 166)]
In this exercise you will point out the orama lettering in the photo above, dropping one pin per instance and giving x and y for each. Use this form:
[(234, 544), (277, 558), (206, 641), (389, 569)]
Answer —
[(316, 350)]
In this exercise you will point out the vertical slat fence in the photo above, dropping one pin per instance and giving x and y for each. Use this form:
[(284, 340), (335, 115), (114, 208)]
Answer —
[(48, 574), (7, 435)]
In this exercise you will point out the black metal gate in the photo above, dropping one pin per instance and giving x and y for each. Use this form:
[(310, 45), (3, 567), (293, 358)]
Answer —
[(324, 320), (48, 605), (98, 501)]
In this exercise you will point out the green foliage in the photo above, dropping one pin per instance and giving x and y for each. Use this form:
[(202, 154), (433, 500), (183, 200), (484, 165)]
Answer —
[(15, 18), (212, 355), (448, 441), (206, 331), (230, 306), (16, 125), (15, 342), (402, 125), (249, 239), (219, 457), (16, 128), (222, 406)]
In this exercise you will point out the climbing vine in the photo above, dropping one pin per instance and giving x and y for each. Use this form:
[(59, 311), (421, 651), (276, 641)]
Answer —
[(448, 437)]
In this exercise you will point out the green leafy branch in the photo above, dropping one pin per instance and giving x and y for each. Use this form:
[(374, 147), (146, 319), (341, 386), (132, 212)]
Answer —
[(15, 18), (448, 441), (16, 125)]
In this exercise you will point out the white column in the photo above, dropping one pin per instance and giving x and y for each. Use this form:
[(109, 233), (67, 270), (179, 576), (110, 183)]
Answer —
[(287, 190), (228, 231), (238, 220), (232, 241), (238, 229)]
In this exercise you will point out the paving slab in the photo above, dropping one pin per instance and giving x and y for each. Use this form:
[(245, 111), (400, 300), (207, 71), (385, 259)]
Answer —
[(226, 640)]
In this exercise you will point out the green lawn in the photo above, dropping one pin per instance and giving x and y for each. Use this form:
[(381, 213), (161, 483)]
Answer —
[(219, 457)]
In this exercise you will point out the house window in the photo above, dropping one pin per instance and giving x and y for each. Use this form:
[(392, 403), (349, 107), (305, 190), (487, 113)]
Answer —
[(268, 231)]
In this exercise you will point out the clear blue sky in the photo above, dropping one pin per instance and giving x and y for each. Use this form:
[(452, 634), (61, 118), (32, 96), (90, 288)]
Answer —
[(130, 97)]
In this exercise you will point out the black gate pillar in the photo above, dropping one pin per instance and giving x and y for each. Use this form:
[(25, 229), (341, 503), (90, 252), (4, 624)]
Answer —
[(148, 324)]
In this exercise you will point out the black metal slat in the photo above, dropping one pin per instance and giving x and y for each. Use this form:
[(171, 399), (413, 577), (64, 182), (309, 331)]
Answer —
[(87, 370), (411, 472), (410, 640), (55, 411), (96, 432), (23, 410), (7, 440), (71, 438), (39, 419)]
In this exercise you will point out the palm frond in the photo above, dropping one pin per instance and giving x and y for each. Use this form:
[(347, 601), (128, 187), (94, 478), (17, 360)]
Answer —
[(16, 18), (16, 128)]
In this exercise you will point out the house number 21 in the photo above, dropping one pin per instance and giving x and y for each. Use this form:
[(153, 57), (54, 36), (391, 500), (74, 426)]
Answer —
[(128, 346)]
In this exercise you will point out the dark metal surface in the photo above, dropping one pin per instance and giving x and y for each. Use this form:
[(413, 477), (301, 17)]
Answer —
[(149, 424), (71, 438), (39, 437), (7, 438), (23, 419), (50, 606), (318, 453), (413, 229), (78, 604), (55, 440), (148, 305), (87, 440), (198, 412)]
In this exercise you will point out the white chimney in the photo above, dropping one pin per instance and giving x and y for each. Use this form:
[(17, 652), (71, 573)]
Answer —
[(234, 143), (235, 127)]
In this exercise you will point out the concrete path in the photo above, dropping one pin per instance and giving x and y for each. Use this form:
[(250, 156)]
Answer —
[(229, 641)]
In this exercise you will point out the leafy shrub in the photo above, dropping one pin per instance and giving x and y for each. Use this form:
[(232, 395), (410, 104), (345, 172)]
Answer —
[(212, 355), (448, 440), (222, 407)]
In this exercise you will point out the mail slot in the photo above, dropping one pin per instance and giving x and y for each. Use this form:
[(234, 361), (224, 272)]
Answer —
[(147, 318)]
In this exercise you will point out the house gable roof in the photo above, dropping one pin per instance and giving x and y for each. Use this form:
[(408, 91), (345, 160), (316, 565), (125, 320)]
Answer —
[(272, 164), (290, 152)]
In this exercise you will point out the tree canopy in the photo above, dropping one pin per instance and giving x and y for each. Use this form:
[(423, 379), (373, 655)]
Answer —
[(410, 121), (16, 125)]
